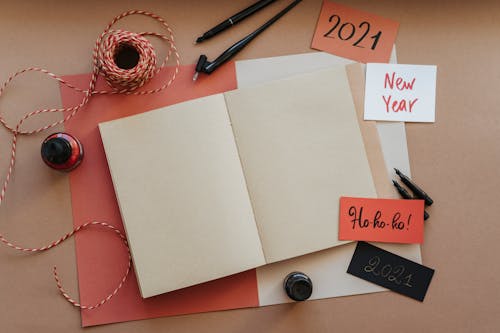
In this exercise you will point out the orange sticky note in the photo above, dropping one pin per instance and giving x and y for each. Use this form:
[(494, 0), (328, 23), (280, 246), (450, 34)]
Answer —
[(381, 220), (354, 34)]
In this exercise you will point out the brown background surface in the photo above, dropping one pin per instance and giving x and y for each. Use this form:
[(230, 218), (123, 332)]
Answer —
[(455, 159)]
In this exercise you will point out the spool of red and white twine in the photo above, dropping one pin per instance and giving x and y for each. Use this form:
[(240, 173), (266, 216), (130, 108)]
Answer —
[(122, 80)]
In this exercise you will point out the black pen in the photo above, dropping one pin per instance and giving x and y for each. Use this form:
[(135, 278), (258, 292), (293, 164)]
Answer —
[(208, 67), (419, 193), (405, 195), (234, 19)]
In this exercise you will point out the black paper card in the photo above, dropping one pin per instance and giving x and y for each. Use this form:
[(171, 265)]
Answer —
[(391, 271)]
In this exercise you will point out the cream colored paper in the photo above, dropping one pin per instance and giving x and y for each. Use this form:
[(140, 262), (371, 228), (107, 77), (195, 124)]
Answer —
[(301, 149), (257, 71), (327, 268), (182, 195), (190, 177)]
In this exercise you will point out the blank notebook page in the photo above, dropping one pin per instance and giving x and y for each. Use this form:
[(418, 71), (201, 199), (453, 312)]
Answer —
[(301, 149), (182, 195)]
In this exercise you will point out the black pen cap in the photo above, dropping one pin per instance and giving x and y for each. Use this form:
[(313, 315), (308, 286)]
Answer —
[(298, 286)]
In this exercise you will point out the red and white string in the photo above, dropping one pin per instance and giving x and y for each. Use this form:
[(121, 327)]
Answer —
[(120, 81)]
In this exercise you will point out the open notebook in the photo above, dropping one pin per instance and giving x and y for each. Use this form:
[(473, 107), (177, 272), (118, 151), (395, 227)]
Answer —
[(218, 185)]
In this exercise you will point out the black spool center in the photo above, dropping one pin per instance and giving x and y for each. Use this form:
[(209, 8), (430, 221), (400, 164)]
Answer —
[(126, 56)]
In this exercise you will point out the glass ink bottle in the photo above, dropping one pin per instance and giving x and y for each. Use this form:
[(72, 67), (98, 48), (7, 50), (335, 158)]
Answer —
[(298, 286), (62, 151)]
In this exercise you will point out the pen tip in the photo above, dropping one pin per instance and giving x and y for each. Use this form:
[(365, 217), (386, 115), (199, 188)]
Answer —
[(195, 76), (199, 40), (397, 171), (395, 182)]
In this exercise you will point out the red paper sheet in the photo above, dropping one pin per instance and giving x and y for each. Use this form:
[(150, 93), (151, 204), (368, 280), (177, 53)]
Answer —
[(101, 258), (381, 220)]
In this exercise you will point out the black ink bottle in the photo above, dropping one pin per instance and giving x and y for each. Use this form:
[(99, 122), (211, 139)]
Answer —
[(298, 286)]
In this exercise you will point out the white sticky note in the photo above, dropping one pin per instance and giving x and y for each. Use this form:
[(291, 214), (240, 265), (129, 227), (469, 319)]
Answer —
[(400, 92)]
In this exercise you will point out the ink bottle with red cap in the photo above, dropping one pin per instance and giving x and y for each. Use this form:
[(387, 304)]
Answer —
[(62, 151)]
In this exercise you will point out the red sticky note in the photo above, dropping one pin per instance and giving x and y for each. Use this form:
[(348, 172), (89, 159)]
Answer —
[(354, 34), (381, 220)]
